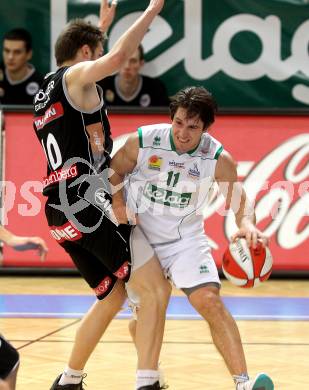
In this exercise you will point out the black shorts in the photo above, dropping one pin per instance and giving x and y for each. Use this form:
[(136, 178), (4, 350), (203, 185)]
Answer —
[(9, 358), (101, 256)]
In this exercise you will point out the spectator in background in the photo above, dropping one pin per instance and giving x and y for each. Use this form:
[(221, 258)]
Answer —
[(130, 88), (19, 80)]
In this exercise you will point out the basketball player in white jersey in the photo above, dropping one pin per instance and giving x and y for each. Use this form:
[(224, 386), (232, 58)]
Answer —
[(171, 169)]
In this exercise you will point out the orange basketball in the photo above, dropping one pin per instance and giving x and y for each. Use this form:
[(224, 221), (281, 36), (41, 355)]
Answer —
[(244, 266)]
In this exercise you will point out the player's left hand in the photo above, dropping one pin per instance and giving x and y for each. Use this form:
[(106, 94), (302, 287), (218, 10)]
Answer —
[(107, 14), (252, 235), (27, 243)]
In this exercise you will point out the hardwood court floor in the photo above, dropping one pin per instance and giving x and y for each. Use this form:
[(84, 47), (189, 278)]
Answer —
[(280, 348)]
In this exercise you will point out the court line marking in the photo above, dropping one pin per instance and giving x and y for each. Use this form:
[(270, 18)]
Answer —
[(39, 340), (47, 334), (123, 316)]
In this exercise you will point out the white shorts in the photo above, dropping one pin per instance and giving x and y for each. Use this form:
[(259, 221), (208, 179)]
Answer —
[(141, 250), (191, 264)]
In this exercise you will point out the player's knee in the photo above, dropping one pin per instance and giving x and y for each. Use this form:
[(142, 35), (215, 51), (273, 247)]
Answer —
[(161, 293), (205, 300), (164, 292), (156, 296)]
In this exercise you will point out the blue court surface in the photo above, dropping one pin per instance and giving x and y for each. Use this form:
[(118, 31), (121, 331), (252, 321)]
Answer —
[(74, 306)]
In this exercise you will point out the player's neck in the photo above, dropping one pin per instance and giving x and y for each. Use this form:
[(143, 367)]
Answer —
[(19, 74), (128, 87)]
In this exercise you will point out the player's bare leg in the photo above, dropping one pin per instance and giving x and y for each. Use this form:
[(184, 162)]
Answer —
[(153, 290), (226, 337), (5, 386), (10, 381), (89, 333), (132, 328), (132, 331), (208, 303)]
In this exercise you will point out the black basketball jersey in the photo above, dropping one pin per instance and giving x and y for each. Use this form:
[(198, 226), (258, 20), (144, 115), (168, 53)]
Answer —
[(75, 142), (21, 91)]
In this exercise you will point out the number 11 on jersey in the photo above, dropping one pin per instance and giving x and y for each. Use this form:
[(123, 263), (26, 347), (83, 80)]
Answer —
[(172, 178)]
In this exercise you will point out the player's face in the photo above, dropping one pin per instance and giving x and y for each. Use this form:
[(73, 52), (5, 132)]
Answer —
[(187, 132), (15, 55), (98, 52), (130, 70)]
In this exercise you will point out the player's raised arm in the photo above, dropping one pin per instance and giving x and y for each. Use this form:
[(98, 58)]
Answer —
[(91, 71), (107, 14)]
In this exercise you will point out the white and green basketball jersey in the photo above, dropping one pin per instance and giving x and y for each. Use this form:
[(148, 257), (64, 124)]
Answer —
[(169, 190)]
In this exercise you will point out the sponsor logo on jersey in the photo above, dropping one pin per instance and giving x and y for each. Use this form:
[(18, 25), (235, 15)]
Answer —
[(42, 97), (53, 112), (167, 197), (194, 172), (59, 175), (103, 286), (174, 164), (66, 232), (155, 162), (156, 141), (123, 271)]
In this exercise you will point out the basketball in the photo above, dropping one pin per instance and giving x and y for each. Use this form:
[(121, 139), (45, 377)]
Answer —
[(244, 266)]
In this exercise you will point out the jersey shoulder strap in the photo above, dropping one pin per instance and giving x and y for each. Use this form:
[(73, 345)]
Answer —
[(155, 136)]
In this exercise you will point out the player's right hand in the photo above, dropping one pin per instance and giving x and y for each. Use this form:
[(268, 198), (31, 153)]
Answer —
[(107, 14), (156, 5)]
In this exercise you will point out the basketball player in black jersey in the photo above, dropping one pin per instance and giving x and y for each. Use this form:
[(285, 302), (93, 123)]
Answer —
[(71, 124)]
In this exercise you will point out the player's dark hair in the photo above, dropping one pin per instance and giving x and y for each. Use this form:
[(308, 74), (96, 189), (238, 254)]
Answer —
[(75, 35), (197, 101), (19, 34)]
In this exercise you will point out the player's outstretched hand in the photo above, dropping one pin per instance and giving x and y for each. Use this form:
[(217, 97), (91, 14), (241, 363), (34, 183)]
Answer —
[(252, 235), (27, 243), (107, 14)]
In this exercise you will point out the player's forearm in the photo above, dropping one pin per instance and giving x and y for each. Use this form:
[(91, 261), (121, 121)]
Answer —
[(117, 186), (5, 235), (245, 214), (129, 41), (93, 71)]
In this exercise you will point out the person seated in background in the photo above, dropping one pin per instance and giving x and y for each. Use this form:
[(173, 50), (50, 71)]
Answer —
[(19, 80), (130, 88), (9, 357)]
